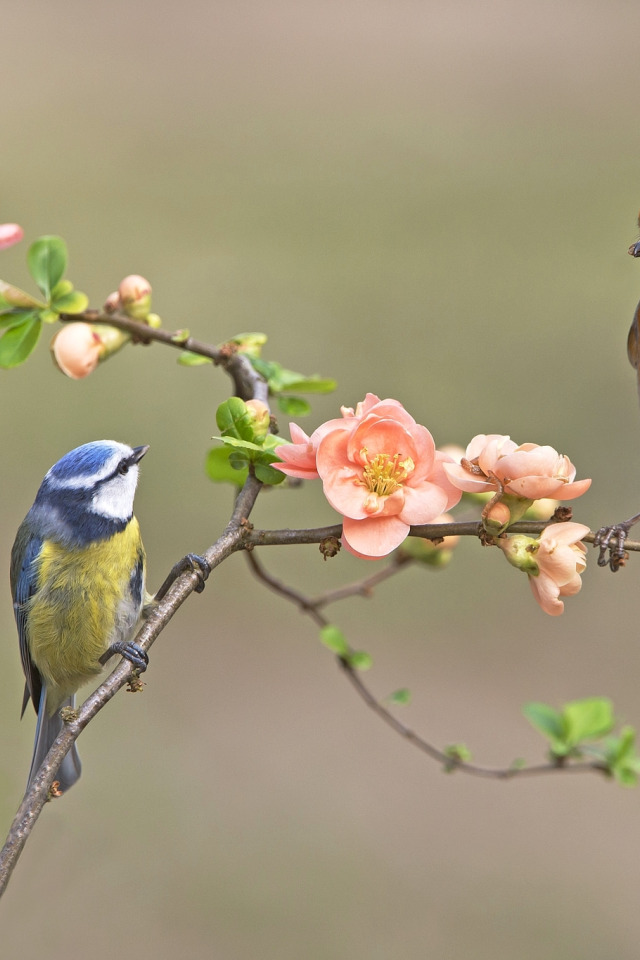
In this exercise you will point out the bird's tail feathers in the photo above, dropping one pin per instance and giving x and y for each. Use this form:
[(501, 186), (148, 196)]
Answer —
[(47, 729)]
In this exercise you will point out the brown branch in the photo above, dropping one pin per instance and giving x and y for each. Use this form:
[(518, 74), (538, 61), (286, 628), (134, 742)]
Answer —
[(247, 381), (429, 531), (238, 535), (450, 762), (359, 588)]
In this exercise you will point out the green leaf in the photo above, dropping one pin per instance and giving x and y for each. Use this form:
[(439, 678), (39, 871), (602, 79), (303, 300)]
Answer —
[(71, 302), (189, 359), (234, 420), (458, 751), (621, 757), (48, 316), (294, 406), (266, 368), (588, 719), (220, 470), (269, 475), (249, 343), (14, 317), (239, 461), (311, 385), (19, 341), (15, 297), (335, 640), (281, 380), (47, 261), (545, 719), (61, 289), (241, 444), (400, 697), (360, 660)]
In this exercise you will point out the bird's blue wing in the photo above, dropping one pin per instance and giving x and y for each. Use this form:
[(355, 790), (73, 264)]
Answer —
[(24, 575)]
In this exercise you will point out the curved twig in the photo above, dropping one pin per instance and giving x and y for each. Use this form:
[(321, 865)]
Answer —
[(449, 760)]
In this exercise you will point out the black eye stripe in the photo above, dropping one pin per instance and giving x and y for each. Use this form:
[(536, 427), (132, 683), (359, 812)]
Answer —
[(122, 468)]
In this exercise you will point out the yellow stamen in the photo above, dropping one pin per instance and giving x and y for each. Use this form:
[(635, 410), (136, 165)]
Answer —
[(385, 474)]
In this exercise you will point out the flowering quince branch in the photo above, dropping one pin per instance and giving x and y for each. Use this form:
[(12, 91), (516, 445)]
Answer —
[(379, 469)]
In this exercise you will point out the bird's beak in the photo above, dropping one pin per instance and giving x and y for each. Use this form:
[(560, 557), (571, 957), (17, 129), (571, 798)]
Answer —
[(138, 453)]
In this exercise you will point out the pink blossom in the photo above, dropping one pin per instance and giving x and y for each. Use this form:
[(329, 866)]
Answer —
[(561, 558), (494, 462), (553, 562), (380, 470), (299, 456), (10, 233)]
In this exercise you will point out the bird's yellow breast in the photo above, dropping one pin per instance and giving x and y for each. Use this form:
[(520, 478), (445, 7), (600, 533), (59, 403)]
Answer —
[(86, 599)]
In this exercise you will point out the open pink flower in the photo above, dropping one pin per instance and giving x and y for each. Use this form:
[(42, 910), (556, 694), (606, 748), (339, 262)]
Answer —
[(554, 562), (299, 456), (380, 470), (494, 462), (10, 233)]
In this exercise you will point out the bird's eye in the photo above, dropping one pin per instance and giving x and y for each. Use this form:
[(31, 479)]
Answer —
[(123, 468)]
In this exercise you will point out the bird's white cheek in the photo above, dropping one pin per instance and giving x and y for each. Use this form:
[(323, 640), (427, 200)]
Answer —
[(115, 498)]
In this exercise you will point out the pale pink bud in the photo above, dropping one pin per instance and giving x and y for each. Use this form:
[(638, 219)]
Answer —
[(10, 233), (76, 350), (496, 517), (135, 296), (112, 303)]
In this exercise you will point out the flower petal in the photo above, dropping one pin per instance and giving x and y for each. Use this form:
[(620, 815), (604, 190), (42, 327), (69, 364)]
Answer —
[(424, 503), (546, 592), (466, 481), (10, 233), (373, 538)]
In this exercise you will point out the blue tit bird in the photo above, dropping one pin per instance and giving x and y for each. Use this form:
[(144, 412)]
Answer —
[(78, 584)]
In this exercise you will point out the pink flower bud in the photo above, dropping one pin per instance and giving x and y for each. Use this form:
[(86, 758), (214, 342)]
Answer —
[(496, 517), (135, 296), (76, 350), (112, 303), (10, 233)]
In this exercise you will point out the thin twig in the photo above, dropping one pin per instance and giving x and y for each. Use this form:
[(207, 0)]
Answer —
[(248, 383), (449, 761)]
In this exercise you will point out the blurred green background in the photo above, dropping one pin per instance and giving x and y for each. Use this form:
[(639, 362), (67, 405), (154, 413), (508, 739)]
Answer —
[(428, 200)]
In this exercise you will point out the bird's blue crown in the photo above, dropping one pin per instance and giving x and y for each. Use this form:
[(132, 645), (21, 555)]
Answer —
[(88, 494)]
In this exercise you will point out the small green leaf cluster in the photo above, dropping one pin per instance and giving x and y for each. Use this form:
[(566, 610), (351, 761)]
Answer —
[(282, 382), (333, 638), (582, 729), (457, 753), (21, 315), (244, 447)]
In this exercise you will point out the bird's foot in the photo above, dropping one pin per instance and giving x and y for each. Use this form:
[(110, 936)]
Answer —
[(130, 651), (193, 563)]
